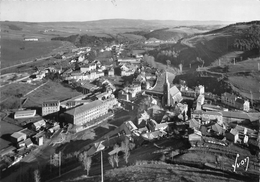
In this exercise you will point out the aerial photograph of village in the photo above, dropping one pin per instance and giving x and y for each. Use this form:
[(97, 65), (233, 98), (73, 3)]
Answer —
[(130, 90)]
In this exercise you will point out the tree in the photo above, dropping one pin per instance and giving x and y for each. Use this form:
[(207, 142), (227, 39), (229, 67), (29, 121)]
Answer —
[(37, 177), (126, 155), (168, 62), (172, 154), (116, 158), (111, 161), (86, 161), (125, 147)]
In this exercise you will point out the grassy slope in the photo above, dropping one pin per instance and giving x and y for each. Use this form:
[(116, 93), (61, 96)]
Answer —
[(213, 45), (13, 51), (245, 77), (50, 91)]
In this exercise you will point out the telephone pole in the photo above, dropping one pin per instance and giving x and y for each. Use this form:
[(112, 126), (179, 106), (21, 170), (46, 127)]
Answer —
[(102, 177), (60, 163)]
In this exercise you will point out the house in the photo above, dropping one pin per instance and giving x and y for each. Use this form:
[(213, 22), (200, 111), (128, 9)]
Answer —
[(234, 101), (24, 114), (37, 125), (194, 124), (128, 127), (31, 39), (154, 126), (200, 101), (123, 95), (103, 96), (217, 129), (133, 90), (200, 90), (54, 129), (17, 137), (49, 107), (194, 137), (129, 60), (81, 57), (88, 88), (152, 41), (175, 95), (211, 115), (88, 68), (28, 143), (240, 116), (233, 135), (153, 135), (242, 104), (111, 72)]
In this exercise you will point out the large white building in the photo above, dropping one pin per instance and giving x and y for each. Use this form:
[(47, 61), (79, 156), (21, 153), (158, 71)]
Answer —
[(84, 114), (24, 114)]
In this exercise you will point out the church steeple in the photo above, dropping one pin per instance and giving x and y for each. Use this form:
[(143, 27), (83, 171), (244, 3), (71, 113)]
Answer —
[(166, 93)]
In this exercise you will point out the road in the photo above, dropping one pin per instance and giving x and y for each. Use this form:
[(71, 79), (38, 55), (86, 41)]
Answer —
[(18, 80)]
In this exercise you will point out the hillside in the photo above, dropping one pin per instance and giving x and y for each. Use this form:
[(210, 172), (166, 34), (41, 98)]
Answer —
[(237, 41), (174, 33), (86, 40), (101, 25)]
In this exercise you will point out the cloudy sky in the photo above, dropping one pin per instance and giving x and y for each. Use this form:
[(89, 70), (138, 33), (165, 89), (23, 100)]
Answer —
[(85, 10)]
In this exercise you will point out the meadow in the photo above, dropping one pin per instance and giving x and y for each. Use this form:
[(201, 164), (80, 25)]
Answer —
[(14, 51)]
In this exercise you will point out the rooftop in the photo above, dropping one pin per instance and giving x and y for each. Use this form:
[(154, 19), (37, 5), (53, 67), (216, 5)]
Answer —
[(174, 90), (84, 108), (17, 134), (25, 112), (230, 96), (241, 115), (51, 101)]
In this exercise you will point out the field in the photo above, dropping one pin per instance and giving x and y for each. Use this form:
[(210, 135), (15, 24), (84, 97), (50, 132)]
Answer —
[(50, 91), (245, 85), (16, 51), (244, 78), (10, 94)]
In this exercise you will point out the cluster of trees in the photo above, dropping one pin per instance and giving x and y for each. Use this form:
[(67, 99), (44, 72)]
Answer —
[(125, 146), (85, 40), (250, 41), (167, 54), (149, 61), (86, 161), (143, 104), (54, 76), (31, 175)]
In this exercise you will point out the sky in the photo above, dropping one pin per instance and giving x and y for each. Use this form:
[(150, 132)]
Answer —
[(87, 10)]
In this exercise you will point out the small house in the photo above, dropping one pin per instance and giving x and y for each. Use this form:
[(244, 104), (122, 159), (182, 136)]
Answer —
[(233, 135), (194, 137), (28, 143), (17, 137), (37, 125)]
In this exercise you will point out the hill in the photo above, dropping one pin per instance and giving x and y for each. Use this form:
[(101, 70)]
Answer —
[(237, 41)]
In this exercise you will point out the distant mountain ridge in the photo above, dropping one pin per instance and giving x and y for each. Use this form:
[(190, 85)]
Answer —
[(122, 22)]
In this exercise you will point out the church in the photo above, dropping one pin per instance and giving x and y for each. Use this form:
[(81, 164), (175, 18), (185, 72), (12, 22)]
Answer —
[(169, 94)]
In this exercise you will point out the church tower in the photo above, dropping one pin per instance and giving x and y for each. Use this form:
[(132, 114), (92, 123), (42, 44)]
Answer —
[(166, 93)]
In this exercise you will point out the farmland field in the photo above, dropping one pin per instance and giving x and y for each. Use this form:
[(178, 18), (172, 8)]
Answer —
[(14, 51), (50, 91)]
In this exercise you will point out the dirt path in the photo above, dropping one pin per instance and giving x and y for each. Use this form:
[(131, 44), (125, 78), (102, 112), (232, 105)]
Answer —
[(35, 88)]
